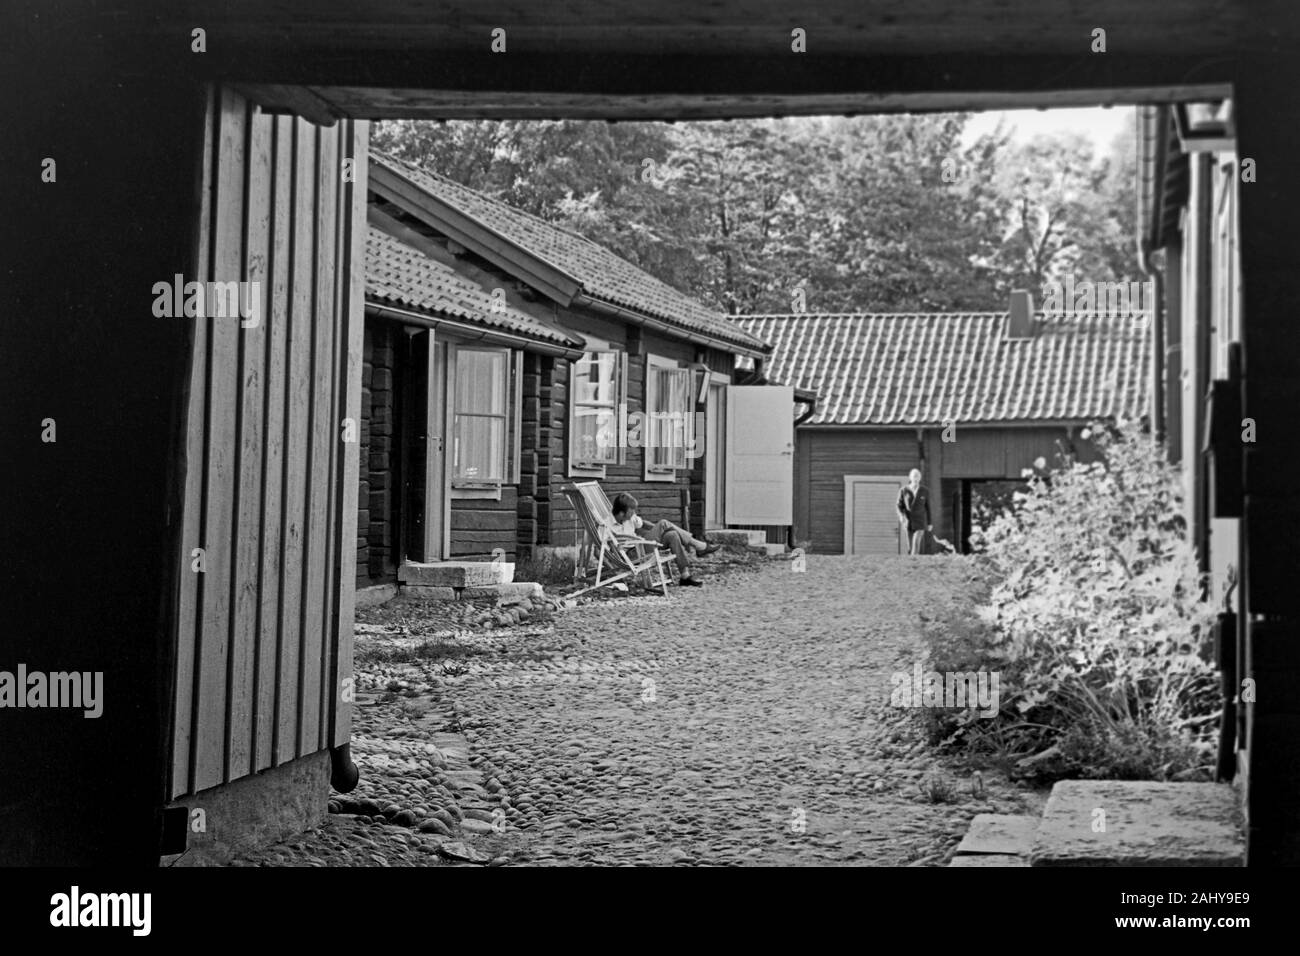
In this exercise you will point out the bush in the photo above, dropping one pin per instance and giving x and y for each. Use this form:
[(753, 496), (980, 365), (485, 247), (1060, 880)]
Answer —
[(1096, 622)]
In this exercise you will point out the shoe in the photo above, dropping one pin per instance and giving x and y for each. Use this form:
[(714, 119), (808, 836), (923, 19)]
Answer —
[(709, 549), (690, 583)]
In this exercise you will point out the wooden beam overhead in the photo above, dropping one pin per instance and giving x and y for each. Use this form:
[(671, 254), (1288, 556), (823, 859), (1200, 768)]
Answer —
[(747, 27)]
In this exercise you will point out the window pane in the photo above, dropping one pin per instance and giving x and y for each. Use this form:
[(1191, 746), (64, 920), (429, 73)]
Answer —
[(603, 375), (480, 448), (595, 436), (584, 390), (681, 416), (658, 426), (595, 378), (481, 381), (663, 389)]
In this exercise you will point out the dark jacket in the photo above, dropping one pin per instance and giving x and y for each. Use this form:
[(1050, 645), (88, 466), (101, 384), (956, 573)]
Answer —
[(914, 509)]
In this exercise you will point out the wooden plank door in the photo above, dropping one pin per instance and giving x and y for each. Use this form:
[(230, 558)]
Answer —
[(870, 516), (760, 455), (424, 425)]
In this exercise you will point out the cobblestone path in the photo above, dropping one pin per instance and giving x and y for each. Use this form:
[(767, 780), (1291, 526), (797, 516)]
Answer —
[(744, 722)]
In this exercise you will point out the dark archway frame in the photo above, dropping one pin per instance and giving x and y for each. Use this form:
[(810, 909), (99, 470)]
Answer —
[(119, 100)]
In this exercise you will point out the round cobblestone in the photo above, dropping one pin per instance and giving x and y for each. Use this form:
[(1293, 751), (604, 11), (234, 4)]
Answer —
[(742, 723)]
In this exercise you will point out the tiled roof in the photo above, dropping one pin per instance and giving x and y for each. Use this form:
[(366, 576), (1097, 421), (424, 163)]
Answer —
[(601, 274), (922, 369), (401, 275)]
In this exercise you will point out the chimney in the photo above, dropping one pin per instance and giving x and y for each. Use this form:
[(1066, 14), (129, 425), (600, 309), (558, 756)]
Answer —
[(1020, 320)]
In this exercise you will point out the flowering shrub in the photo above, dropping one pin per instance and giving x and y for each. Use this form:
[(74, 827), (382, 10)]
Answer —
[(1095, 620)]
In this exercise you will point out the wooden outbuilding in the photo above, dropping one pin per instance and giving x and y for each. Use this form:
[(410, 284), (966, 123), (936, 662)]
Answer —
[(967, 398)]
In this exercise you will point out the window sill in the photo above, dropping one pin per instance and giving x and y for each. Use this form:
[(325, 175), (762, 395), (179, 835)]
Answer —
[(587, 471), (486, 492), (665, 476)]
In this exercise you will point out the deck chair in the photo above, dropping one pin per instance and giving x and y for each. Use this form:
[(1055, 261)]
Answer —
[(617, 557)]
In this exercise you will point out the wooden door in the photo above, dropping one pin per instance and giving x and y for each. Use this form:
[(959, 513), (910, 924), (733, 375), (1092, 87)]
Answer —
[(715, 427), (424, 496), (759, 465), (871, 523)]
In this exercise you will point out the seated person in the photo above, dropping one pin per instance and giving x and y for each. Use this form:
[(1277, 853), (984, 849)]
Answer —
[(628, 524)]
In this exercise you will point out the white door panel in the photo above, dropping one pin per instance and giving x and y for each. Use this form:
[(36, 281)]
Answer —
[(760, 455)]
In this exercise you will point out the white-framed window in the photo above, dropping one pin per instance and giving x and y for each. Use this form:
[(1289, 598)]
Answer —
[(485, 412), (597, 399), (668, 424)]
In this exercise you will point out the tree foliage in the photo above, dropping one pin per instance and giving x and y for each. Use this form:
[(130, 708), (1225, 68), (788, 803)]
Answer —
[(875, 213)]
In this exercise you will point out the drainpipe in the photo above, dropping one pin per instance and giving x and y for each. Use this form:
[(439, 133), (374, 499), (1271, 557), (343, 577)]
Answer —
[(1153, 135), (1157, 279), (343, 772), (812, 407)]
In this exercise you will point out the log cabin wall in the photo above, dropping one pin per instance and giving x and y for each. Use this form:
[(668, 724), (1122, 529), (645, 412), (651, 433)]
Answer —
[(483, 528), (264, 632)]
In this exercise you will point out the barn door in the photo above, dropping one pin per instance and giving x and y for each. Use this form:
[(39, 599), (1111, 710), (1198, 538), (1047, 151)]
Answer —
[(760, 455), (871, 523)]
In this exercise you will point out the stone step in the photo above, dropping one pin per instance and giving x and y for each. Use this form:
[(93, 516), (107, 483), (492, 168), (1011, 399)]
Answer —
[(1140, 823), (736, 538), (989, 859), (772, 550), (456, 574), (517, 591), (997, 839)]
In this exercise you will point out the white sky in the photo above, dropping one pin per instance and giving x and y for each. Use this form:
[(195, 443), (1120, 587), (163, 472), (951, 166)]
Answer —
[(1099, 123)]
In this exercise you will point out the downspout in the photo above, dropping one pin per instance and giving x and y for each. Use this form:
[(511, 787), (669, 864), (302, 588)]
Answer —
[(812, 408), (1157, 306), (343, 772), (1148, 225)]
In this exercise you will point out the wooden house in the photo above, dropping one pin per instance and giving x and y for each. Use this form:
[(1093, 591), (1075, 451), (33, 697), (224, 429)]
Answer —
[(564, 362), (968, 398), (1223, 405), (1191, 176), (443, 381)]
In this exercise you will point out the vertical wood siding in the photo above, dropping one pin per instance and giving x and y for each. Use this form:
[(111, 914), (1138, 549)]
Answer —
[(265, 632)]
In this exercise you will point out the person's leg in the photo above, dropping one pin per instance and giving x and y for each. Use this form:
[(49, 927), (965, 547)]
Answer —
[(666, 527), (674, 541)]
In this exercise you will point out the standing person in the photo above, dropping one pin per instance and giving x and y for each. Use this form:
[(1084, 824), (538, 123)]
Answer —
[(914, 509), (630, 524)]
